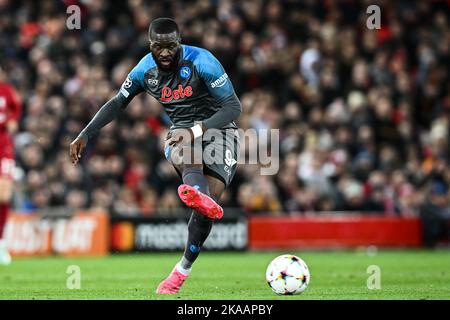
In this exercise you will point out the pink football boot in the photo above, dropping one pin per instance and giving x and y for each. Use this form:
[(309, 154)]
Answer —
[(200, 202), (172, 284)]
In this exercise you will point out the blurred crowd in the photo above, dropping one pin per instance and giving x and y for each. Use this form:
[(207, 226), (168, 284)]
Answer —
[(363, 114)]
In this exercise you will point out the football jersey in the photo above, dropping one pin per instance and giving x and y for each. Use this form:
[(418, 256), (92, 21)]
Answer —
[(192, 92), (10, 105), (10, 108)]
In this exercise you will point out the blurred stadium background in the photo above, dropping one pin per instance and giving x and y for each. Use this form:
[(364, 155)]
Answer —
[(363, 118)]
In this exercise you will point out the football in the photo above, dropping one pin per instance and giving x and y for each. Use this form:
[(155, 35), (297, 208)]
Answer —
[(288, 275)]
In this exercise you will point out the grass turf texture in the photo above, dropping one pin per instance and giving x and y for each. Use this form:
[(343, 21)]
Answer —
[(233, 276)]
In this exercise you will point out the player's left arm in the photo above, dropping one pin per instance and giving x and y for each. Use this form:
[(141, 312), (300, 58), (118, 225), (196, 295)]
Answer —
[(221, 88)]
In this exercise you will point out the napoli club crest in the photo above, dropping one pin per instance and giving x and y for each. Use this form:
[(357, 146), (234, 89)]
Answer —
[(185, 72)]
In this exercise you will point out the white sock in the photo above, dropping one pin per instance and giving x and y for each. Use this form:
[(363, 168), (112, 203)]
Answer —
[(182, 270), (2, 244)]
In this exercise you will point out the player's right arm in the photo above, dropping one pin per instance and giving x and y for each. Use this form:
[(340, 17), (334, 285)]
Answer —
[(108, 112)]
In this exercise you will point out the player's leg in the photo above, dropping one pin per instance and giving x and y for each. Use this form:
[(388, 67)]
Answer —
[(216, 187), (199, 227), (218, 175), (194, 191), (211, 184), (219, 152), (6, 186), (5, 198)]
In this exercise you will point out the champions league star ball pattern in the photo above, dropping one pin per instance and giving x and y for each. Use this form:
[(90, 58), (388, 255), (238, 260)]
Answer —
[(288, 275)]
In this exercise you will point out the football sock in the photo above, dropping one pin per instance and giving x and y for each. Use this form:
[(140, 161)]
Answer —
[(182, 270), (199, 228), (3, 215), (195, 178)]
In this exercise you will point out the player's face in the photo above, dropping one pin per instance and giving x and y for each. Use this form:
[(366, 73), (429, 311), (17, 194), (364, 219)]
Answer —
[(165, 48)]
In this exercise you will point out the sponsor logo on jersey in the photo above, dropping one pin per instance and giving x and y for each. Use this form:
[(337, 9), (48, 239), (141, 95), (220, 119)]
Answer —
[(185, 72), (152, 82), (220, 81), (167, 94)]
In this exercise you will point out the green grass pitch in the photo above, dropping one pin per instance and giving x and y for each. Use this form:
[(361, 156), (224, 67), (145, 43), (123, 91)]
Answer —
[(234, 276)]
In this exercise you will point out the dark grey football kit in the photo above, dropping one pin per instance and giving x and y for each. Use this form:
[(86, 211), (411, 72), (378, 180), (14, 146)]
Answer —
[(197, 90)]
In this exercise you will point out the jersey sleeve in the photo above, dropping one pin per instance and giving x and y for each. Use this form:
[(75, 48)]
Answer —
[(133, 84), (214, 76)]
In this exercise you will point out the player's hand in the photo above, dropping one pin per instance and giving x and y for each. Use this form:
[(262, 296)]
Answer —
[(179, 136), (76, 148)]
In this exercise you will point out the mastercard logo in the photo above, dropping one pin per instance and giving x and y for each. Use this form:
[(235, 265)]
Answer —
[(122, 236)]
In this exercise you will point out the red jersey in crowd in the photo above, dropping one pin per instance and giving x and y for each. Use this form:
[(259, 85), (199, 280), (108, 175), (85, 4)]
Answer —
[(10, 108)]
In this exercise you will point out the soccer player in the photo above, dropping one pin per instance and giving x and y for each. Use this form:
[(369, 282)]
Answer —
[(10, 107), (197, 95)]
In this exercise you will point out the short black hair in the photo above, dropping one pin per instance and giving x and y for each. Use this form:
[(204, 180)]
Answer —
[(163, 25)]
